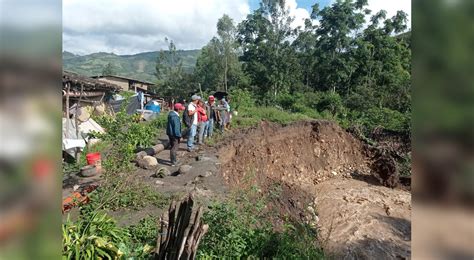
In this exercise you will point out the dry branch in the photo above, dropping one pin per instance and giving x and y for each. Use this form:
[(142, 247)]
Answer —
[(180, 232)]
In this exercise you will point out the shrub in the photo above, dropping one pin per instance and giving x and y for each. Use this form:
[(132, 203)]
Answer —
[(125, 133), (381, 117), (93, 237), (237, 232), (242, 100), (254, 115), (331, 102), (145, 232)]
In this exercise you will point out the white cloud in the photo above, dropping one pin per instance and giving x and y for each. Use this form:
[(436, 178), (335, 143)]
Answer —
[(299, 14), (126, 27), (391, 6)]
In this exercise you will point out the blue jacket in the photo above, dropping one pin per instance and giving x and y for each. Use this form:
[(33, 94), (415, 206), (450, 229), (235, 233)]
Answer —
[(173, 127)]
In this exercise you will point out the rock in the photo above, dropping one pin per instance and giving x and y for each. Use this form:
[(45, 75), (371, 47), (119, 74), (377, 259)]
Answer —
[(181, 153), (162, 172), (75, 187), (334, 173), (184, 169), (139, 156), (158, 182), (316, 219), (158, 148), (206, 174), (311, 210), (317, 151), (148, 162)]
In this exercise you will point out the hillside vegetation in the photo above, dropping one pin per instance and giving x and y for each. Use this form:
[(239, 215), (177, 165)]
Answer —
[(140, 66)]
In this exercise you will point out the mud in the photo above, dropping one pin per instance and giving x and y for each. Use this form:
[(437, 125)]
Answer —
[(318, 165)]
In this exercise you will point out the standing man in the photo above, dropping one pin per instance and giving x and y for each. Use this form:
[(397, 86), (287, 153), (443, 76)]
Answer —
[(173, 130), (211, 115), (202, 121), (192, 113)]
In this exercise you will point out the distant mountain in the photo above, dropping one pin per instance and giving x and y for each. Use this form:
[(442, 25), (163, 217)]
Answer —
[(139, 66)]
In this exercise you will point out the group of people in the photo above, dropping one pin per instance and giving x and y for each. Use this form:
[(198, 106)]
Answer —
[(199, 118)]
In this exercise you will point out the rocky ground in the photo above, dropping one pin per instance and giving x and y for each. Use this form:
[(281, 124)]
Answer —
[(323, 177)]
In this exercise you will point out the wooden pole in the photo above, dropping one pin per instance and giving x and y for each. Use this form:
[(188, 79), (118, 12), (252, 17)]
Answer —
[(76, 121), (180, 234)]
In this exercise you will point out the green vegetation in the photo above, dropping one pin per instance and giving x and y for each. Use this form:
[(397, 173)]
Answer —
[(332, 68), (109, 69), (125, 133), (130, 195), (241, 228), (337, 69), (140, 66), (145, 232), (93, 236)]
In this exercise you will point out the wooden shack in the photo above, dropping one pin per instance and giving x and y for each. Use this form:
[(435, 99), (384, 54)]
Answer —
[(79, 91)]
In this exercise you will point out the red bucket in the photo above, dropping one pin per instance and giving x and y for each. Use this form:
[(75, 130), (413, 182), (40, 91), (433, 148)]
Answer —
[(93, 158)]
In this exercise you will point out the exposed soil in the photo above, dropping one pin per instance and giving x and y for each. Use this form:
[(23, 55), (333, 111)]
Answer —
[(321, 166), (316, 172)]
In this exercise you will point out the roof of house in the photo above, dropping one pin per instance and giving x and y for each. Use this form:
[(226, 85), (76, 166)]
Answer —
[(125, 78), (76, 81)]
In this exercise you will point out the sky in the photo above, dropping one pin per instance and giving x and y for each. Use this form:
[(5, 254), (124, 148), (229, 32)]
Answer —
[(128, 27)]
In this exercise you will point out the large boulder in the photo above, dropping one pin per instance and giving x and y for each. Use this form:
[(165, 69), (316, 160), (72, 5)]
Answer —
[(148, 162)]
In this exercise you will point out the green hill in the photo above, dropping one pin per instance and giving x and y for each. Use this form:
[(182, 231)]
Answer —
[(139, 66)]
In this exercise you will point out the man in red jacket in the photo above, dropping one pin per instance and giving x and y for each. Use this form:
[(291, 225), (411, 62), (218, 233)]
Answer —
[(202, 121)]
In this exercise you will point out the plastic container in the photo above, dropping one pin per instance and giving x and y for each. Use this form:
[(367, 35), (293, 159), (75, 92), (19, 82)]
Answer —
[(92, 158)]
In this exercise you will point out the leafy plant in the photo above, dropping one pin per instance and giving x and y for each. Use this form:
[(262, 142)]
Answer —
[(125, 133), (235, 233), (92, 237), (145, 232)]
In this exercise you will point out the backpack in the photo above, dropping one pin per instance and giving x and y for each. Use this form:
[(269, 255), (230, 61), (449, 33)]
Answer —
[(187, 119)]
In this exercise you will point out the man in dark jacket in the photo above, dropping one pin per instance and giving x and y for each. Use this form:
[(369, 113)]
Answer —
[(173, 130)]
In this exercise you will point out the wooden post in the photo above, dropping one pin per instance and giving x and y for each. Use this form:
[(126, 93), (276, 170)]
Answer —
[(180, 233), (67, 106), (76, 121)]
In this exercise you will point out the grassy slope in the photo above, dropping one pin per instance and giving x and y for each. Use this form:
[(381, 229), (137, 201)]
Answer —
[(139, 66)]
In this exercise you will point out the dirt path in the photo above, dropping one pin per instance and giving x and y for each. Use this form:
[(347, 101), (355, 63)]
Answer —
[(202, 179)]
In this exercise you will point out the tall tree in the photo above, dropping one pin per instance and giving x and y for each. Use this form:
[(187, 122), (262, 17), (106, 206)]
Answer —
[(268, 57), (209, 68), (218, 64), (169, 71), (337, 25), (108, 70), (383, 63), (226, 32)]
